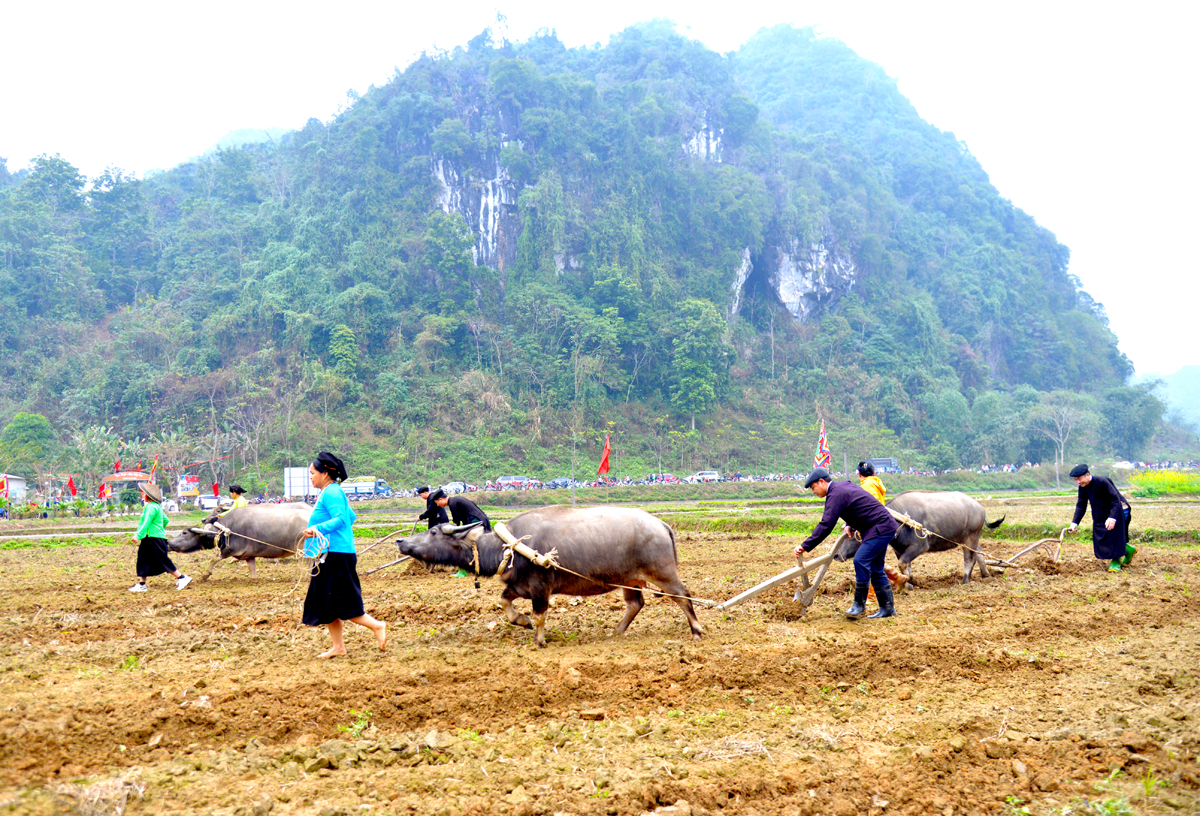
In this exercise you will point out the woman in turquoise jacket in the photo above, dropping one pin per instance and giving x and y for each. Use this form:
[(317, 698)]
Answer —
[(334, 593)]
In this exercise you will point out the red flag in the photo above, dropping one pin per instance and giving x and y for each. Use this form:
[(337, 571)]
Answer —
[(604, 460), (4, 485), (103, 491), (154, 467), (216, 489), (71, 485), (116, 465)]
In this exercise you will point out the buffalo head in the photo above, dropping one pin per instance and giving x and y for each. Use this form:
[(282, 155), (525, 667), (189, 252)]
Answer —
[(193, 539), (446, 544)]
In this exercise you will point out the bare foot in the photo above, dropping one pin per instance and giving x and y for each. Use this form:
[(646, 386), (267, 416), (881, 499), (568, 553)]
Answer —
[(332, 653), (381, 636)]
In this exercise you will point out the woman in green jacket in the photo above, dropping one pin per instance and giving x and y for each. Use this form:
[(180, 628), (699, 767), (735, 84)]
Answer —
[(152, 549)]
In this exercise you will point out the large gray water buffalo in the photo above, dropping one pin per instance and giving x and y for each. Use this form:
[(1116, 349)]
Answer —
[(608, 545), (953, 519), (256, 531)]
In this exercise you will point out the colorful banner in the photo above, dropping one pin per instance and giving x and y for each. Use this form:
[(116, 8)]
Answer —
[(823, 459)]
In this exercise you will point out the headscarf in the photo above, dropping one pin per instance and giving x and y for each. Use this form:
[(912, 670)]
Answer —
[(437, 494), (326, 462)]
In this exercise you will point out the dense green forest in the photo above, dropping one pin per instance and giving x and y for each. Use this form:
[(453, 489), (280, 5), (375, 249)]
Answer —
[(511, 249)]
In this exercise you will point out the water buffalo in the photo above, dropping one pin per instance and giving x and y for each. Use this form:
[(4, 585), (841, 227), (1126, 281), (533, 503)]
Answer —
[(953, 516), (609, 545), (279, 525)]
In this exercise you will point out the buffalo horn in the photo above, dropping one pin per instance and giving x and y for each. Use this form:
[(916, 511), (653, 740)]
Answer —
[(450, 529)]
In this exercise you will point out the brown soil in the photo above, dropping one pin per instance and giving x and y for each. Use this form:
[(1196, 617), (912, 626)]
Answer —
[(1054, 683)]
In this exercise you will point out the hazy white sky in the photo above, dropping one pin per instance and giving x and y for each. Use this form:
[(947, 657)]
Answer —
[(1083, 115)]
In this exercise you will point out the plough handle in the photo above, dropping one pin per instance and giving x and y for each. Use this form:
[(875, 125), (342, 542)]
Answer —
[(389, 564), (782, 578)]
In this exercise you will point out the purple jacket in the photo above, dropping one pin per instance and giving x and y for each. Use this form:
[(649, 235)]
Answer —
[(856, 507)]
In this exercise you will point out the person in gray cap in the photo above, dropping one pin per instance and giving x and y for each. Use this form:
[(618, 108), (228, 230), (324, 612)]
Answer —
[(863, 513), (1110, 517)]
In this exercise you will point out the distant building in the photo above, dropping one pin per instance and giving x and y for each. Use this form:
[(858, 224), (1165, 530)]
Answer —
[(14, 487)]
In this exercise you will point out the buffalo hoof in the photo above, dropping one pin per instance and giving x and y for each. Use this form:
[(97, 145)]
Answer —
[(524, 622)]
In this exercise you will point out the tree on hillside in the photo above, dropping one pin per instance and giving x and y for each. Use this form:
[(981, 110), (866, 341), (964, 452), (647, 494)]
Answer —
[(28, 443), (1130, 416), (699, 357), (1061, 417)]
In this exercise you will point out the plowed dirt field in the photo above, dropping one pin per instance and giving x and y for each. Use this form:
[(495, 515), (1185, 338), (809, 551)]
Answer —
[(1056, 688)]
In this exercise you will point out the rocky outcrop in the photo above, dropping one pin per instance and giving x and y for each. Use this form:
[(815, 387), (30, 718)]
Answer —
[(743, 273), (706, 143), (807, 277), (489, 207), (804, 277)]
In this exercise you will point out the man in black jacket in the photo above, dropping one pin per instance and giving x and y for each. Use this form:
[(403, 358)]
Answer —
[(1110, 517), (464, 511), (435, 514), (863, 513)]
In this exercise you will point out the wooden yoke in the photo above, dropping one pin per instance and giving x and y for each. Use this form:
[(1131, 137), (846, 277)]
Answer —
[(518, 545)]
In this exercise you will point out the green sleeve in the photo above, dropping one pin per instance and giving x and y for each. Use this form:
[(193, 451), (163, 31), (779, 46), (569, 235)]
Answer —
[(144, 524)]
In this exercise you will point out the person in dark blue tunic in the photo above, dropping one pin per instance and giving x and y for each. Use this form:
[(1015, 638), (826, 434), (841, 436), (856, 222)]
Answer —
[(334, 593), (1110, 517), (863, 513)]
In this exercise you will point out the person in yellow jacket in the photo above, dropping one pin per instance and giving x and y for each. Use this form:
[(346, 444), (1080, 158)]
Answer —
[(238, 493), (871, 483)]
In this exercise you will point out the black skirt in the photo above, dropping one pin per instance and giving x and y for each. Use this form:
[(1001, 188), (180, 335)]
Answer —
[(152, 558), (333, 591)]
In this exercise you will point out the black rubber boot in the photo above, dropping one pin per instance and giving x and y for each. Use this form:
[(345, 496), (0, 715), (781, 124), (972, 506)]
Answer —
[(887, 602), (860, 601)]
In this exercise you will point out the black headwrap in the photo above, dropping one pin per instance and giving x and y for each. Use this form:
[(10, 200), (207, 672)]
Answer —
[(1078, 471), (421, 490), (326, 462), (437, 494), (866, 469)]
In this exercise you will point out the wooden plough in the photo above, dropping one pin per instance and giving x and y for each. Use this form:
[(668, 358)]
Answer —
[(808, 589), (1052, 546)]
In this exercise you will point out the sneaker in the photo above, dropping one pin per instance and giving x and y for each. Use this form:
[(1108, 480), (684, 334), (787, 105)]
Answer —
[(1115, 566), (138, 587), (182, 581), (1130, 552)]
